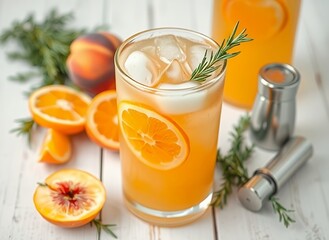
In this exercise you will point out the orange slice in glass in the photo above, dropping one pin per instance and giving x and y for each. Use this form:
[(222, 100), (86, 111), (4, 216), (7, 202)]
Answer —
[(69, 198), (56, 148), (102, 120), (59, 107), (156, 140)]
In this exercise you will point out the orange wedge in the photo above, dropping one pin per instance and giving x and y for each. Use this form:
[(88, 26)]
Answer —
[(59, 107), (69, 198), (56, 148), (156, 140), (102, 120)]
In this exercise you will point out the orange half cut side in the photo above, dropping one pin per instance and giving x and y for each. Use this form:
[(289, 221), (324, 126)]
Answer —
[(59, 107)]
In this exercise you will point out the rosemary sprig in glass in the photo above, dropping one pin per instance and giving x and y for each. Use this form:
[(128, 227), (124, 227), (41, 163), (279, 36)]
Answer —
[(235, 173), (208, 66)]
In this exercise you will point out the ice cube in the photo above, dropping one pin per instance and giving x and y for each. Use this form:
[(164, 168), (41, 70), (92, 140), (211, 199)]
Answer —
[(182, 101), (174, 73), (168, 49), (195, 55), (141, 68)]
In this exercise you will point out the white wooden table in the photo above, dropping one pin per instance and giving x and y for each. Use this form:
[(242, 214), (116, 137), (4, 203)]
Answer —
[(307, 192)]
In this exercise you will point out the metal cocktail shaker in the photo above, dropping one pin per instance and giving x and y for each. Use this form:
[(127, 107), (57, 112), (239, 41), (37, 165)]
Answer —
[(267, 180), (274, 110)]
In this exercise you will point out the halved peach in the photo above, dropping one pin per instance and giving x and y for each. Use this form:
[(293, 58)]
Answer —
[(70, 198)]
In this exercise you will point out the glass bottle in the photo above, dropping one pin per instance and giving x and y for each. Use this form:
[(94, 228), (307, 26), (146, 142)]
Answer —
[(272, 24)]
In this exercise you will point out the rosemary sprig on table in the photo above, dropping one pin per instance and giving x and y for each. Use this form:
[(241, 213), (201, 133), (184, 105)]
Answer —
[(105, 227), (45, 46), (282, 211), (208, 66), (232, 165), (25, 128), (235, 173)]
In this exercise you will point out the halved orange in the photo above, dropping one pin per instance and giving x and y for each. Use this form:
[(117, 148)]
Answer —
[(155, 139), (56, 148), (59, 107), (102, 120), (69, 198)]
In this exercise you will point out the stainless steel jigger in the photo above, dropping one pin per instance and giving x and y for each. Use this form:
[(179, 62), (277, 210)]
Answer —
[(269, 179), (273, 113)]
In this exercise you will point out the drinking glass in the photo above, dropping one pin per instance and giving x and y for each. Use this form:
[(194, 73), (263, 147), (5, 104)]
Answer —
[(169, 125)]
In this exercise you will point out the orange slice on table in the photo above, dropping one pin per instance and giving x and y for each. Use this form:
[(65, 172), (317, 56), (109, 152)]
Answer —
[(59, 107), (102, 120), (56, 148), (69, 198), (155, 139)]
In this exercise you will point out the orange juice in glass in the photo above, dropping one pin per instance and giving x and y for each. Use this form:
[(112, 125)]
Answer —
[(272, 25), (169, 124)]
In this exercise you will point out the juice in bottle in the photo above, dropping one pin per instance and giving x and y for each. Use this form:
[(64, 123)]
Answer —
[(272, 25), (169, 125)]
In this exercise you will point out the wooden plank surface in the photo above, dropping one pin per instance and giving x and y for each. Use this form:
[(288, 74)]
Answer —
[(307, 192)]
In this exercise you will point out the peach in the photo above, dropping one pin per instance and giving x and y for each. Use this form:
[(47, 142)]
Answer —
[(91, 62)]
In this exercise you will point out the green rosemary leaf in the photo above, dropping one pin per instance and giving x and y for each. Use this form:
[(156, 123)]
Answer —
[(220, 196), (97, 223), (25, 126), (17, 56), (282, 212), (42, 184), (106, 227), (232, 165), (235, 173), (45, 47), (208, 66), (23, 77)]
